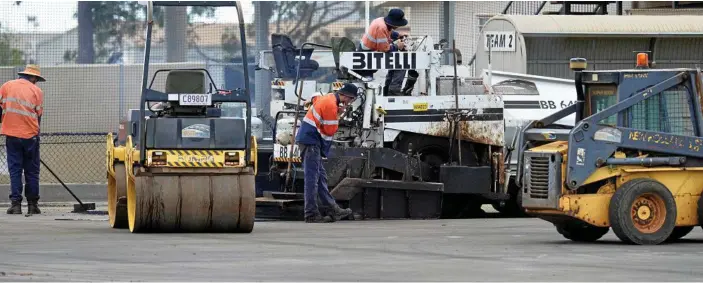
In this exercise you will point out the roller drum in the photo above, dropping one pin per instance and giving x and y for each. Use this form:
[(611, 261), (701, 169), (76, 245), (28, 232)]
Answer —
[(196, 197), (193, 203), (247, 207)]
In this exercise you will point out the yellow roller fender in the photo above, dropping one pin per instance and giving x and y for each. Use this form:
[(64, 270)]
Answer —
[(116, 184)]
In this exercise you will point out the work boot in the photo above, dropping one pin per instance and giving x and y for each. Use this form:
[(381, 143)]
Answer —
[(32, 207), (16, 208), (410, 83), (340, 213), (318, 219)]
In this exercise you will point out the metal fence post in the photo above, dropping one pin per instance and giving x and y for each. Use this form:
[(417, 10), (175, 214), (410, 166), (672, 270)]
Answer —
[(448, 25), (121, 98)]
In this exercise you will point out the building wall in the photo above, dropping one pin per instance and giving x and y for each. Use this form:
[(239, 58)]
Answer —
[(51, 51), (469, 19), (678, 53), (471, 15), (428, 19), (550, 56)]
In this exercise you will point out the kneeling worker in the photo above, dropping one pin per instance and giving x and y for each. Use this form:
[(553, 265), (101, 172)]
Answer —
[(22, 109), (315, 139)]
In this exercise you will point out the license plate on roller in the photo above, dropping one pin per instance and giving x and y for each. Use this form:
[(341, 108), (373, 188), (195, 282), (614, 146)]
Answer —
[(196, 158), (191, 99)]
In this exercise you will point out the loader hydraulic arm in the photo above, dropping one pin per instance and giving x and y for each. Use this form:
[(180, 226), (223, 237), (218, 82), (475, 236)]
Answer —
[(592, 144)]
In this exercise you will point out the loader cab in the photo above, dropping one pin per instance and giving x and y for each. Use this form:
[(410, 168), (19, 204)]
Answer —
[(669, 112)]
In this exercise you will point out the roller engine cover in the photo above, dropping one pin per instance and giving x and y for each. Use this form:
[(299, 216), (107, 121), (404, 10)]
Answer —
[(195, 133)]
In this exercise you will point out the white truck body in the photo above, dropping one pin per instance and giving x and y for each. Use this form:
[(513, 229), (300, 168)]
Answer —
[(529, 97)]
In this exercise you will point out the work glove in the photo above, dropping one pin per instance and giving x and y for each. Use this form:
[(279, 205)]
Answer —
[(340, 111), (400, 44)]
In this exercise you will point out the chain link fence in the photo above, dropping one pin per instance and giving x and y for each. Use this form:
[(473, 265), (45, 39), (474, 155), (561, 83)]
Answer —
[(92, 53)]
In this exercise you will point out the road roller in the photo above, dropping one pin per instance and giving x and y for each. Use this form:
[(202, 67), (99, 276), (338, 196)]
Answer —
[(184, 166)]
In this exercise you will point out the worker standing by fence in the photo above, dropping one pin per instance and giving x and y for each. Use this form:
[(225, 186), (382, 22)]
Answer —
[(315, 139), (21, 101)]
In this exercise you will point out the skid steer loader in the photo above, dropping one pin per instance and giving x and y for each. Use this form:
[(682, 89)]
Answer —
[(192, 170), (633, 162)]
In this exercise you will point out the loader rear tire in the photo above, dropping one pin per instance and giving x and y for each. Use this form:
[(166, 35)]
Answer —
[(117, 198), (193, 203), (642, 212), (579, 231)]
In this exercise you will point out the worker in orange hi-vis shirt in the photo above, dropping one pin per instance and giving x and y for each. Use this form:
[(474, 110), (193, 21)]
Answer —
[(314, 140), (21, 101)]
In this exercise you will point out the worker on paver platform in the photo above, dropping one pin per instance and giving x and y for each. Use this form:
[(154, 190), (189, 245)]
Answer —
[(21, 102), (314, 139), (381, 36)]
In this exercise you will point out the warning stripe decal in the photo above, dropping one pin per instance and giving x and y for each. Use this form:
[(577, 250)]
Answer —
[(194, 152), (285, 159), (195, 164)]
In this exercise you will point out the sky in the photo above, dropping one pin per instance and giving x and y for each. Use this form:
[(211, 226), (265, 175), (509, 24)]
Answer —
[(57, 15)]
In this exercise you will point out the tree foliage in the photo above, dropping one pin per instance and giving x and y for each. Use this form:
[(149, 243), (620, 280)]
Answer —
[(113, 21), (301, 20), (9, 56), (304, 21), (232, 45)]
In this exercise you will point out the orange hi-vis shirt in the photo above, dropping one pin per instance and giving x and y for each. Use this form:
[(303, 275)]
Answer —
[(21, 103), (377, 37), (320, 123)]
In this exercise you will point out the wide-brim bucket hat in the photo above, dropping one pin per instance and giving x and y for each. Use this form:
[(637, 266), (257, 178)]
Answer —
[(33, 70), (396, 18)]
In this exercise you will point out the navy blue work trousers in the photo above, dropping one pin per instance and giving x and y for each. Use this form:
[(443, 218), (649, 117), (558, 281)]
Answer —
[(23, 159), (315, 181)]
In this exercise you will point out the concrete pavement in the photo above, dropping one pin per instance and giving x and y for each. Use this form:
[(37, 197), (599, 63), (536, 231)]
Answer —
[(59, 246), (57, 193)]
